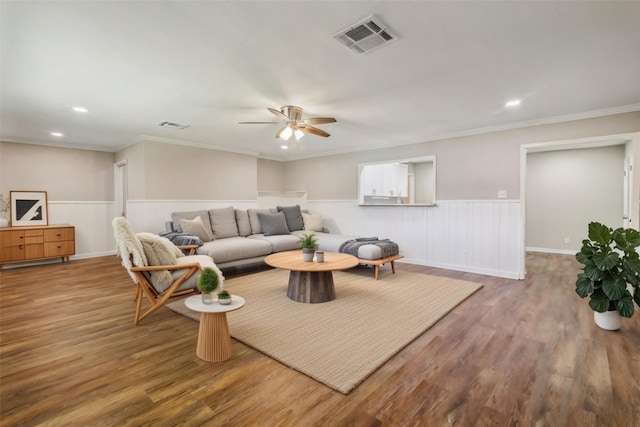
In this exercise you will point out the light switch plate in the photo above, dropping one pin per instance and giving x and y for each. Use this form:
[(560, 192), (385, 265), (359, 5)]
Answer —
[(502, 194)]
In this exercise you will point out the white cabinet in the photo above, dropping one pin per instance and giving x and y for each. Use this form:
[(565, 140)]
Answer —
[(386, 179)]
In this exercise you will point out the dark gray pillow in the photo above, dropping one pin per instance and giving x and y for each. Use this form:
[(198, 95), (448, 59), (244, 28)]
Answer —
[(273, 224), (293, 216)]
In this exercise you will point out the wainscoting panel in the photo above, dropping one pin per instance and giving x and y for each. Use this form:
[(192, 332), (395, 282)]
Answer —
[(479, 236)]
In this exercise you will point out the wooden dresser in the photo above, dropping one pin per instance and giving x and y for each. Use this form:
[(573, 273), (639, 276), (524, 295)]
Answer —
[(20, 244)]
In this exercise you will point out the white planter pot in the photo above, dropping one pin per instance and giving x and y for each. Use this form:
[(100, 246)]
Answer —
[(4, 222), (609, 320), (307, 255)]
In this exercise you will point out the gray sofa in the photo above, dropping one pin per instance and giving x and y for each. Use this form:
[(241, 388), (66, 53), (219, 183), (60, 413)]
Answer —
[(239, 240)]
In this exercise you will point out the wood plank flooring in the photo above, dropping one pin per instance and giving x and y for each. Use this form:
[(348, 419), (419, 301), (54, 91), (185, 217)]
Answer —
[(515, 353)]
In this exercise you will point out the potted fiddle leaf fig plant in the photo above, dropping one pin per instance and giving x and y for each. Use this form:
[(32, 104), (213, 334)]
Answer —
[(611, 273), (208, 282), (309, 243)]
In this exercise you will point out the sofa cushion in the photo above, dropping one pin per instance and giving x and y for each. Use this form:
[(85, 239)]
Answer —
[(256, 228), (196, 227), (293, 215), (273, 224), (242, 220), (234, 248), (177, 216), (312, 222), (281, 242), (223, 223)]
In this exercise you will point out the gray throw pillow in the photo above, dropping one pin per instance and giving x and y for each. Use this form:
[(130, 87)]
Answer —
[(293, 216), (273, 224), (256, 228), (223, 222), (244, 225)]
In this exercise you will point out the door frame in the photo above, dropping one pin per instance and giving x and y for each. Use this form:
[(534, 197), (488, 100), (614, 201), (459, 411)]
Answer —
[(120, 188), (631, 141)]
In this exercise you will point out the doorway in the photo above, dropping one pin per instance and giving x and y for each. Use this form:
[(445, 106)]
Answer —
[(625, 147)]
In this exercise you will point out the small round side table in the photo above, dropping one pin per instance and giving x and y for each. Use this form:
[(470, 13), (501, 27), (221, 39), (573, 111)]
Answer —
[(214, 341)]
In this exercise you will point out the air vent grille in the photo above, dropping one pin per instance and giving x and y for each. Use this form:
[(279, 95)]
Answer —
[(173, 125), (365, 36)]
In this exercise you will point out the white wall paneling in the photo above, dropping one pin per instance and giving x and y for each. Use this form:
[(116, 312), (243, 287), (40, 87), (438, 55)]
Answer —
[(479, 236)]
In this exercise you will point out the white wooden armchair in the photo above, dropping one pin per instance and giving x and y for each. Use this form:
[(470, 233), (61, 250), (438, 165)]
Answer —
[(157, 266)]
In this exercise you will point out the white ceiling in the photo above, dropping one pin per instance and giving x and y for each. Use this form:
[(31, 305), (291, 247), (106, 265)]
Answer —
[(212, 64)]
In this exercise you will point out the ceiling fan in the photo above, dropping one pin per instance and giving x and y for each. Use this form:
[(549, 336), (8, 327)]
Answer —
[(294, 124)]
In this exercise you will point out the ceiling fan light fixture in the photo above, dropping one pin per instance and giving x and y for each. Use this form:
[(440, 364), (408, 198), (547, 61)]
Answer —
[(298, 134), (286, 133)]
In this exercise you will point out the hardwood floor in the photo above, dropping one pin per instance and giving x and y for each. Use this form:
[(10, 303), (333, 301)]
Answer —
[(515, 353)]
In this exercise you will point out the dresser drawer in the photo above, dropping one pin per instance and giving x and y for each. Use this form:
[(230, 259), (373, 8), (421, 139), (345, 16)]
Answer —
[(54, 249), (58, 234)]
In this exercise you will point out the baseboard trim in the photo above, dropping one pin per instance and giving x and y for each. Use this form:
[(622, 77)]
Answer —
[(551, 250)]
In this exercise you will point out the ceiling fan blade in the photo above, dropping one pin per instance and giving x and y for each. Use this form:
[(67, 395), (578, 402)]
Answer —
[(259, 123), (278, 114), (319, 120), (312, 130)]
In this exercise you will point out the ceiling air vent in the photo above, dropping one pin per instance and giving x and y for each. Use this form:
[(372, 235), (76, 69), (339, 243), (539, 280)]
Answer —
[(365, 36), (173, 125)]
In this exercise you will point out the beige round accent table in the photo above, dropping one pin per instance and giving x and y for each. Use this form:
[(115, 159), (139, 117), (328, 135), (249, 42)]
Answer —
[(311, 282), (214, 341)]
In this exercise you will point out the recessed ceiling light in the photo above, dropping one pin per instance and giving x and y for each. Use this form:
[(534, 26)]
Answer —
[(512, 103), (57, 134), (284, 147), (80, 110)]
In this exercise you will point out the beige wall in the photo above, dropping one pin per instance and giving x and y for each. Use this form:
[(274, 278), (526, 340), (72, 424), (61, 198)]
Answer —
[(64, 173), (166, 171), (270, 175), (568, 189), (468, 168)]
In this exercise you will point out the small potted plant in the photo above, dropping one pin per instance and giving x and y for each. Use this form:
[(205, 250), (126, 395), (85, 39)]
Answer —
[(611, 273), (208, 282), (224, 298), (309, 243)]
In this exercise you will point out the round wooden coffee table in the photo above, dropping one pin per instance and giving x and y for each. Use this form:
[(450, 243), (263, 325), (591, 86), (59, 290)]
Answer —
[(311, 282)]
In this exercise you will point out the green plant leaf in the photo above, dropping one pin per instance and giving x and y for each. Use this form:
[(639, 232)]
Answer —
[(631, 263), (627, 239), (625, 306), (593, 272), (606, 261), (599, 301), (599, 233), (633, 237), (584, 258), (631, 277), (615, 288), (636, 296), (584, 285)]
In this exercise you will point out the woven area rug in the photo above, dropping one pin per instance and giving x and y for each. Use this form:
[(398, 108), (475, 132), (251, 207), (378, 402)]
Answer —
[(341, 342)]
